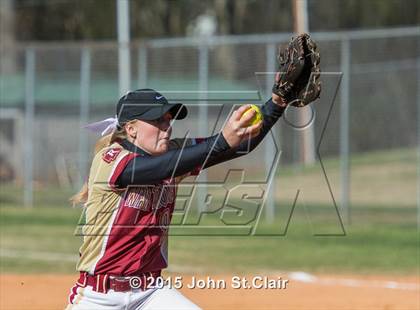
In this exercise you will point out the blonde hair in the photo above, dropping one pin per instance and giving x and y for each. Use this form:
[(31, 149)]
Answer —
[(118, 134)]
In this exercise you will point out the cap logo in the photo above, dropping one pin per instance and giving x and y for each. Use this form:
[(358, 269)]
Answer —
[(158, 97)]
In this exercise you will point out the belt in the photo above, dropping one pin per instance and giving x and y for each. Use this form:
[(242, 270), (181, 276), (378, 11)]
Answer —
[(102, 283)]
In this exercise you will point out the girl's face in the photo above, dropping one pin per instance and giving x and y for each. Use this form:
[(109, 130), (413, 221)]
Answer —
[(151, 136)]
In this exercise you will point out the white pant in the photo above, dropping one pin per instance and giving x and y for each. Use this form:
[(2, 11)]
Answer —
[(152, 299)]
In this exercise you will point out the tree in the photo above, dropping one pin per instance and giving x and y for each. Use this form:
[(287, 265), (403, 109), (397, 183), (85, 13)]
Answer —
[(95, 19)]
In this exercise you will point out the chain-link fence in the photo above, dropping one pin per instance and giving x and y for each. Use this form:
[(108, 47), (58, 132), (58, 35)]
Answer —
[(49, 91)]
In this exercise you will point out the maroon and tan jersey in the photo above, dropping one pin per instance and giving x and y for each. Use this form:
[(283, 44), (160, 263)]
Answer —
[(125, 231)]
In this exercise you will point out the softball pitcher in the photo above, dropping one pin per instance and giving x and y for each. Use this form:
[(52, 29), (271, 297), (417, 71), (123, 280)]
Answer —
[(130, 196)]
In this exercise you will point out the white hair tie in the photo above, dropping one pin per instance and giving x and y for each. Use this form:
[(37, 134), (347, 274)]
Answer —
[(105, 126)]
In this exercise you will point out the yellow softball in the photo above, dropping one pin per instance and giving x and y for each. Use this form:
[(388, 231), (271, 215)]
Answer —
[(257, 117)]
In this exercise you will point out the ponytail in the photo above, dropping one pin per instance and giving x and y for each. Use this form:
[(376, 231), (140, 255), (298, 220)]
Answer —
[(118, 134)]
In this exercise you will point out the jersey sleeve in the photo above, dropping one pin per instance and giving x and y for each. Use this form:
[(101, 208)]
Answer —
[(178, 143), (108, 165), (149, 170), (271, 113)]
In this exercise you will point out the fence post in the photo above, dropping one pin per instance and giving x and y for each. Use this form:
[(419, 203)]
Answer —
[(142, 67), (29, 126), (203, 80), (418, 142), (344, 128), (269, 149), (85, 68), (123, 30)]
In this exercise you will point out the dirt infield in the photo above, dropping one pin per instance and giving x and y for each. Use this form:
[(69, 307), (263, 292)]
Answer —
[(303, 292)]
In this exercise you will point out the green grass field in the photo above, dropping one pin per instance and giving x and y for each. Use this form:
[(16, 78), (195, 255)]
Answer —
[(382, 237)]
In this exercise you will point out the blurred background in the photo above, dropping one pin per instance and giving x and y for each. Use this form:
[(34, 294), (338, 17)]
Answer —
[(351, 178)]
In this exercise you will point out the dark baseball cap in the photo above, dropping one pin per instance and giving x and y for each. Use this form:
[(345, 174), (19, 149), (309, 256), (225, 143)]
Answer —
[(147, 104)]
